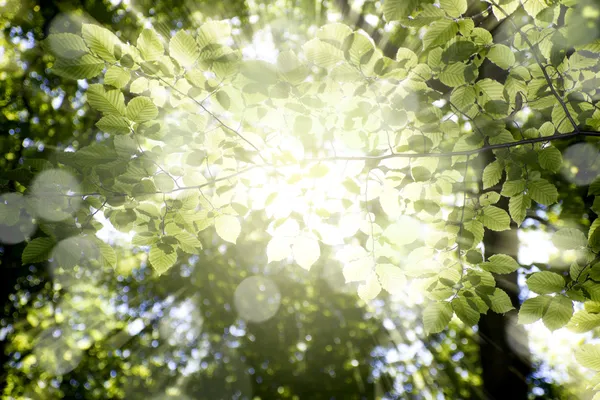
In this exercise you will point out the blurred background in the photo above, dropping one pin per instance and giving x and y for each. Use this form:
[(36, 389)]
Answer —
[(224, 324)]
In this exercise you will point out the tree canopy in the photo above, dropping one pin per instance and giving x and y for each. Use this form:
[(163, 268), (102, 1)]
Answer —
[(395, 167)]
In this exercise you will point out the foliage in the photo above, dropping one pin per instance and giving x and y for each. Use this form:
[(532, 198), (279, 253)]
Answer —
[(343, 147)]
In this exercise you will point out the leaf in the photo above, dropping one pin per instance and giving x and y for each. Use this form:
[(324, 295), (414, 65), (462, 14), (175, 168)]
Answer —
[(533, 309), (66, 45), (550, 158), (141, 109), (489, 198), (439, 33), (278, 249), (569, 239), (223, 99), (492, 174), (85, 67), (545, 282), (184, 49), (463, 310), (588, 355), (391, 278), (453, 75), (322, 54), (583, 321), (518, 206), (188, 242), (559, 312), (500, 302), (101, 41), (107, 255), (162, 259), (144, 239), (500, 264), (228, 228), (534, 7), (369, 289), (213, 32), (436, 316), (117, 77), (495, 218), (306, 251), (454, 8), (502, 56), (394, 10), (139, 85), (543, 192), (37, 250), (163, 182), (150, 45), (511, 188), (106, 101), (113, 124)]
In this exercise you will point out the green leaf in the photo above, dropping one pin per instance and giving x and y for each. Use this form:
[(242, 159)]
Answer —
[(495, 218), (463, 309), (228, 228), (184, 49), (511, 188), (37, 250), (141, 109), (162, 258), (500, 264), (463, 98), (188, 242), (545, 282), (85, 67), (113, 124), (213, 32), (569, 239), (436, 316), (322, 54), (139, 85), (489, 198), (534, 7), (584, 321), (518, 206), (106, 101), (502, 56), (453, 75), (107, 255), (550, 158), (66, 45), (117, 77), (594, 234), (150, 45), (500, 302), (101, 41), (306, 251), (394, 10), (543, 192), (492, 174), (588, 355), (558, 313), (454, 8), (223, 99), (163, 182), (144, 239), (439, 33), (533, 309)]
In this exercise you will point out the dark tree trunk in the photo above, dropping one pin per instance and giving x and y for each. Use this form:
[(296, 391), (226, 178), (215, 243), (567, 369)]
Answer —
[(504, 351)]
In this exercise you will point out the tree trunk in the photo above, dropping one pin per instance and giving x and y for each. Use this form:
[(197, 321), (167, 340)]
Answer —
[(504, 351)]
